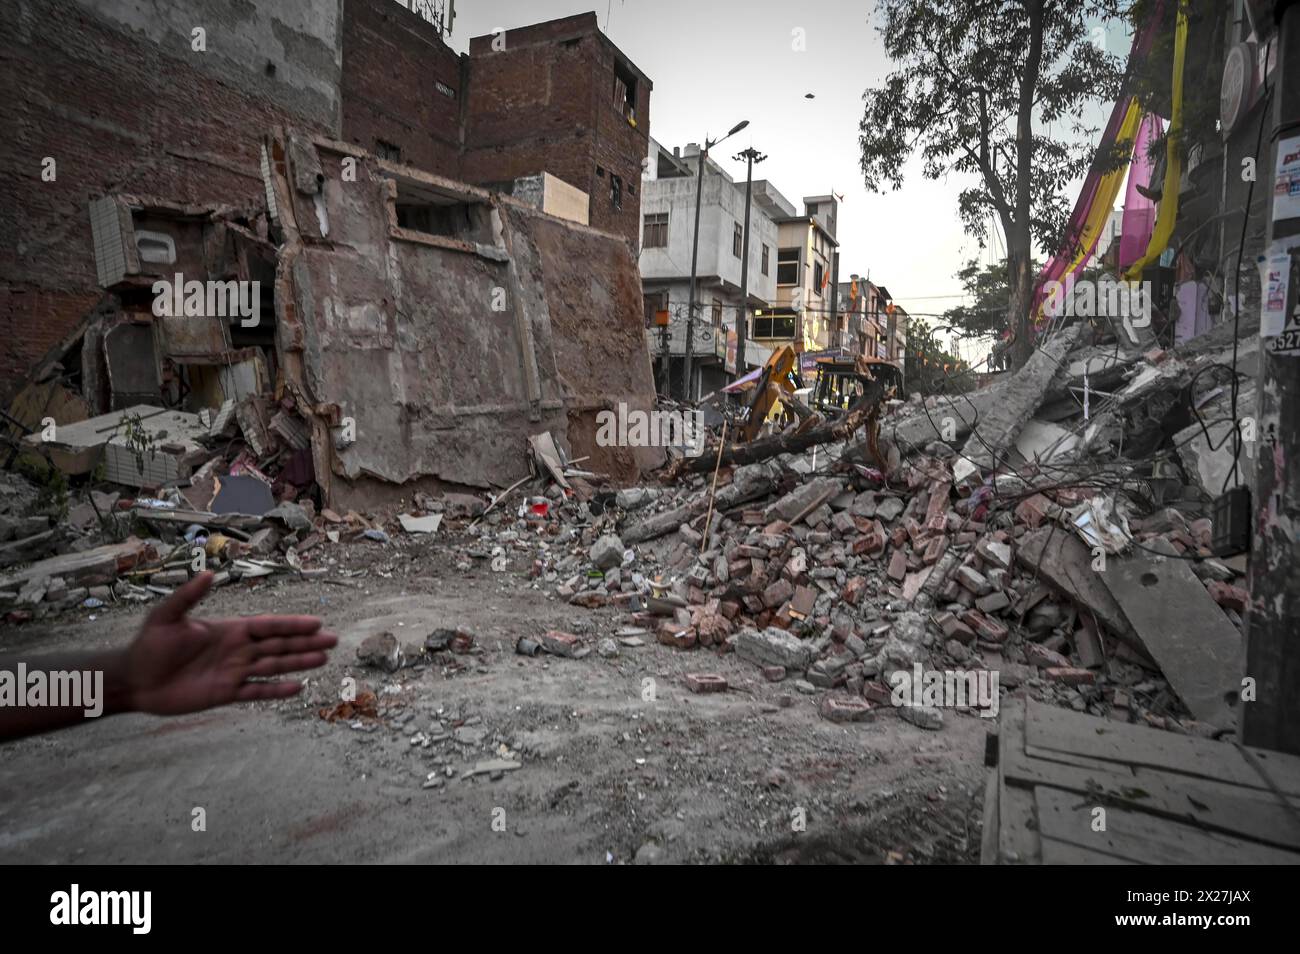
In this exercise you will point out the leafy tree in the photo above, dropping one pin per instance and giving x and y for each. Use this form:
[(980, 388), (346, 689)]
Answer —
[(989, 287), (929, 368), (994, 89)]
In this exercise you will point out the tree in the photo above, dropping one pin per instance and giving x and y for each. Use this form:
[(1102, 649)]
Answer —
[(987, 88), (928, 368), (989, 288)]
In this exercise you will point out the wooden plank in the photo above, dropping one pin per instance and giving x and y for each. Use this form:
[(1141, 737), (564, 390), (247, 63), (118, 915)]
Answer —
[(1142, 838), (989, 833), (1050, 728), (1238, 812), (1183, 629), (1062, 853), (1176, 779), (1017, 836)]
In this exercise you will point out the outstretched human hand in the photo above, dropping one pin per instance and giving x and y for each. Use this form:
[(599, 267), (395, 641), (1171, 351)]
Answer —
[(178, 664)]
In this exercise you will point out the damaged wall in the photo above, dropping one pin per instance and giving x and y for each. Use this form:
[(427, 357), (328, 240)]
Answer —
[(113, 92), (401, 86), (447, 323), (546, 103)]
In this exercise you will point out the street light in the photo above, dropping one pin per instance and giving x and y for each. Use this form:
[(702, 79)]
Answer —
[(695, 252), (751, 156)]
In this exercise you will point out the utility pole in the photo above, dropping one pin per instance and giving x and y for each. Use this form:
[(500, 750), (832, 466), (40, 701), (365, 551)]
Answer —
[(1272, 719), (751, 156), (665, 372), (695, 253)]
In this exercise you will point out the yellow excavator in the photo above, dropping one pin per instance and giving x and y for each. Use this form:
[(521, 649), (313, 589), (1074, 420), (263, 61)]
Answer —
[(840, 384)]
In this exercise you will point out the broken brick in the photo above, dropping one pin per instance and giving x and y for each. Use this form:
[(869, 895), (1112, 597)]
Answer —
[(777, 593), (1033, 510), (705, 682), (1070, 675), (1229, 596), (846, 709), (897, 565)]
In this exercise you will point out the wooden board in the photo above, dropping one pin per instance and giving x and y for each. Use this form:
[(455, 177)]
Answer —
[(1166, 798), (1052, 728), (1141, 838)]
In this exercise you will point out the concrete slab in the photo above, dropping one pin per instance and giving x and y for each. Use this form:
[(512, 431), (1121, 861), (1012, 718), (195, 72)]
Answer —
[(1183, 628)]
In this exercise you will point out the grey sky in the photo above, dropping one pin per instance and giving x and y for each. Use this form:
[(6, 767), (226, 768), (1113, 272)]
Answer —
[(715, 62)]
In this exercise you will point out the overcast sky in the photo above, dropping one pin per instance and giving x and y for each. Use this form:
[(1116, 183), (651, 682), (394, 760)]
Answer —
[(716, 62)]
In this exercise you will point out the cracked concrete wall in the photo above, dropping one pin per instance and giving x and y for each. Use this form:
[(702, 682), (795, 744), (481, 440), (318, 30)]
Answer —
[(426, 341), (112, 94)]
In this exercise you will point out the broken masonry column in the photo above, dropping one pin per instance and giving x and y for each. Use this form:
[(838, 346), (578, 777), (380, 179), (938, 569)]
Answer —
[(997, 428)]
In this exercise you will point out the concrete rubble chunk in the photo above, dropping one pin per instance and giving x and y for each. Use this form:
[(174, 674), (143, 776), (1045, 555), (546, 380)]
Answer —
[(999, 426), (804, 497), (1182, 628), (607, 552), (774, 647), (380, 651)]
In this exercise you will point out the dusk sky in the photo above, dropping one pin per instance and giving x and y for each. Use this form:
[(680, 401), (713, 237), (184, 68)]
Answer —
[(714, 64)]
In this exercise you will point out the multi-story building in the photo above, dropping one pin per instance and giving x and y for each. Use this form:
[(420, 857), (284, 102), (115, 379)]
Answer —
[(668, 230), (560, 97), (801, 313), (874, 326), (155, 117)]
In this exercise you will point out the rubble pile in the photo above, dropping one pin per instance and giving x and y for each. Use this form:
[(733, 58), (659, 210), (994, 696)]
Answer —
[(230, 496), (1066, 546), (820, 569)]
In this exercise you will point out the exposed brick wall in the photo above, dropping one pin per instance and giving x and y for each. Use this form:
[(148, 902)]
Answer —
[(123, 110), (117, 114), (546, 102), (32, 321), (393, 61)]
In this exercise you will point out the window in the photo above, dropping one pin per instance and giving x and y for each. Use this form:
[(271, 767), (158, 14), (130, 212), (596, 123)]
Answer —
[(765, 259), (717, 313), (386, 150), (625, 92), (737, 238), (655, 234), (787, 266), (774, 326), (818, 272), (655, 302), (615, 191)]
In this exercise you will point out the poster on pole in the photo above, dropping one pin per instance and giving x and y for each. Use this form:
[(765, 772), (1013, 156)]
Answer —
[(731, 351), (1279, 326), (1286, 182)]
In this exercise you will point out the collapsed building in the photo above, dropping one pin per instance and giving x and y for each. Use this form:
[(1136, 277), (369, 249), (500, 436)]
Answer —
[(398, 327)]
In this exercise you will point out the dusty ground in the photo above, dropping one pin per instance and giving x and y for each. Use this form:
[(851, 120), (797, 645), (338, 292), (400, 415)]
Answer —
[(705, 777)]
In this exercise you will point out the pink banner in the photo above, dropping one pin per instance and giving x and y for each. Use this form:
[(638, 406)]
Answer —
[(1139, 211)]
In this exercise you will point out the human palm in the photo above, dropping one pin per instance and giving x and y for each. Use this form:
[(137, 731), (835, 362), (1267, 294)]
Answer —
[(178, 664)]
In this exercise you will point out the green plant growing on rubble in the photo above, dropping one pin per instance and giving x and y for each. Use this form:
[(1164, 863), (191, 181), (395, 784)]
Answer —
[(138, 441), (52, 497), (996, 91)]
